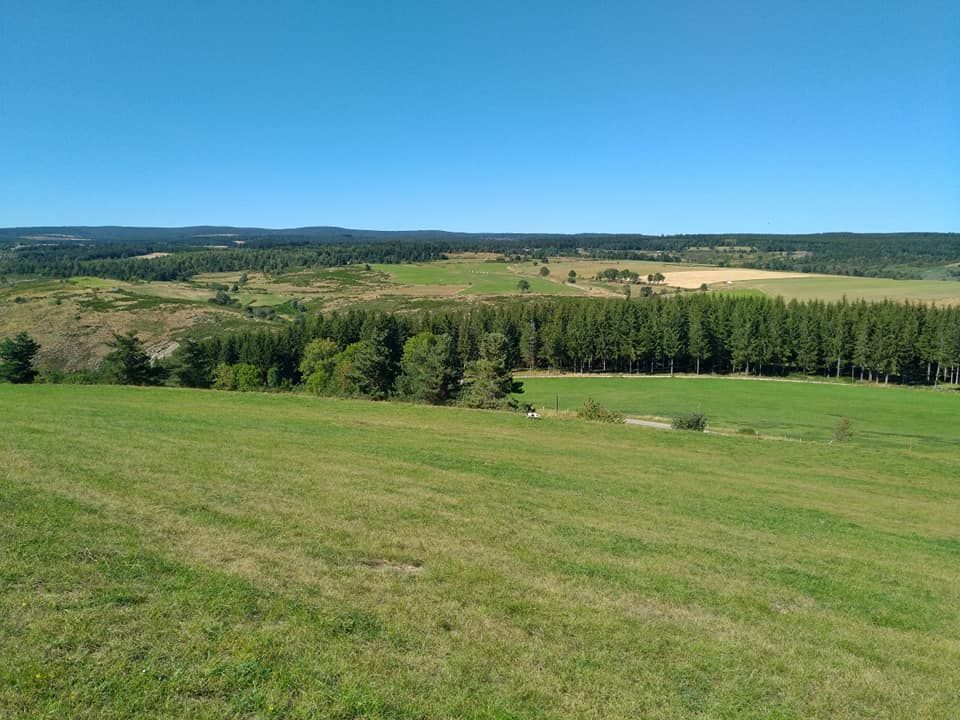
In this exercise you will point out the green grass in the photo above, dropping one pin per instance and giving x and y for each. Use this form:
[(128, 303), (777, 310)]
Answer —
[(883, 416), (176, 553), (472, 277), (834, 288)]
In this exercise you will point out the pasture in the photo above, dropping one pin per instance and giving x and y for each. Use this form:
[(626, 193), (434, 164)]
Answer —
[(883, 416), (194, 554), (835, 288)]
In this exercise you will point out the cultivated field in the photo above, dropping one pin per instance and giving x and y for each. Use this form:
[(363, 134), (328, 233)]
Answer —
[(694, 279), (833, 287), (347, 559), (893, 417)]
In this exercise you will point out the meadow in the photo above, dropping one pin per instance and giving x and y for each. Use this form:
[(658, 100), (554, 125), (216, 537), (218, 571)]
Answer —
[(835, 287), (195, 554), (882, 416)]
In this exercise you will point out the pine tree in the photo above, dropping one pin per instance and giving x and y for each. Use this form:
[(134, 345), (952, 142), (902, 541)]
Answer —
[(431, 371), (17, 356), (129, 363), (193, 367), (489, 382)]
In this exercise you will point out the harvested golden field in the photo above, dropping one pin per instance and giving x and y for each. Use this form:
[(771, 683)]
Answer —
[(693, 279)]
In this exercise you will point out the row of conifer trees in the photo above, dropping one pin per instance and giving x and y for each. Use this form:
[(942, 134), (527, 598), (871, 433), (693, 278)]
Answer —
[(696, 333)]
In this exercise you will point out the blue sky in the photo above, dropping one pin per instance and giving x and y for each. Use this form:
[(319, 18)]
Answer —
[(515, 116)]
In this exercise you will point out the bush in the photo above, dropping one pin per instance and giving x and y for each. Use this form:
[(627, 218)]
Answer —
[(747, 431), (592, 410), (691, 421), (843, 430)]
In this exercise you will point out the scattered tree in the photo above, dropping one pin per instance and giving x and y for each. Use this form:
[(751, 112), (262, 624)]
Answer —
[(17, 356)]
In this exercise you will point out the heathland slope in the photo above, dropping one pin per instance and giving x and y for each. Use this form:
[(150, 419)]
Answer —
[(200, 554)]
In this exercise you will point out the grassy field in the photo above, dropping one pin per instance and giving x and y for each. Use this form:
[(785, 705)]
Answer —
[(469, 276), (830, 287), (894, 417), (176, 553)]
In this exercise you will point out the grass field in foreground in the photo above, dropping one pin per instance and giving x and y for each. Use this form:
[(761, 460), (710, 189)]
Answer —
[(882, 415), (190, 554)]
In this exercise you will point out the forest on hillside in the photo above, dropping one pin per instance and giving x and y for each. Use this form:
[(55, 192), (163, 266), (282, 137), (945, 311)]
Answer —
[(109, 252), (364, 353)]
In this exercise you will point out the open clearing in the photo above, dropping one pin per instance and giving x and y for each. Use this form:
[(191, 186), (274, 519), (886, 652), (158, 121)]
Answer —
[(177, 553), (834, 287), (693, 279), (469, 276), (895, 417)]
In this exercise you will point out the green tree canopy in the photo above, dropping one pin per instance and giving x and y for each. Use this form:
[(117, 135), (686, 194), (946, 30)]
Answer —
[(430, 370), (17, 356), (489, 382), (129, 363), (192, 366)]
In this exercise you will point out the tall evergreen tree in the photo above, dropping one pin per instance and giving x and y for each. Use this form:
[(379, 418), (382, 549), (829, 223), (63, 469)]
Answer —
[(129, 363), (489, 382), (17, 356), (431, 370), (193, 368)]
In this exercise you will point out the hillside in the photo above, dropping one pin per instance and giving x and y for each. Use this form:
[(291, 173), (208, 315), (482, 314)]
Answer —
[(198, 554)]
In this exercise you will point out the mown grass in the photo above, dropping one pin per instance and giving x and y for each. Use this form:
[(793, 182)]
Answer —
[(176, 553), (883, 416), (834, 288), (472, 277)]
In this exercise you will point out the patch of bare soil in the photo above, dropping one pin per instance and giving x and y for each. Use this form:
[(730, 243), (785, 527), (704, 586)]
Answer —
[(392, 565)]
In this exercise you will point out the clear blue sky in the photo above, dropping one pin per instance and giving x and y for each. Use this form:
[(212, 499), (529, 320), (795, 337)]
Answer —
[(653, 117)]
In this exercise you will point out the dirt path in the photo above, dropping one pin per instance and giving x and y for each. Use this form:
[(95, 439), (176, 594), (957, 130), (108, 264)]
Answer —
[(648, 423)]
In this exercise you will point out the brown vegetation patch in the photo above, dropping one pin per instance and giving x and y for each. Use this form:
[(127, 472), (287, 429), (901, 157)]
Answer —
[(692, 279), (392, 565)]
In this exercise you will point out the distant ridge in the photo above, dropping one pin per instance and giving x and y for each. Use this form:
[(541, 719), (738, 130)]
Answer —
[(331, 233)]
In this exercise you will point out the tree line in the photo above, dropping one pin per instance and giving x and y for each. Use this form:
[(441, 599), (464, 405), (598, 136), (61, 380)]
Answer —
[(38, 251), (692, 332), (468, 356), (121, 262)]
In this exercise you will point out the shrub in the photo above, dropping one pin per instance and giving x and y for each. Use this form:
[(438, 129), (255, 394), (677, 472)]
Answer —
[(843, 430), (691, 421), (247, 377), (747, 431), (592, 410)]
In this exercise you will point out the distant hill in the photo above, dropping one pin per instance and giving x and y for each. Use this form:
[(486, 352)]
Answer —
[(201, 234)]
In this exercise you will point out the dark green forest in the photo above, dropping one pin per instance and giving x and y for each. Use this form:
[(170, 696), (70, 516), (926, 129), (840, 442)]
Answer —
[(106, 252), (363, 352)]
